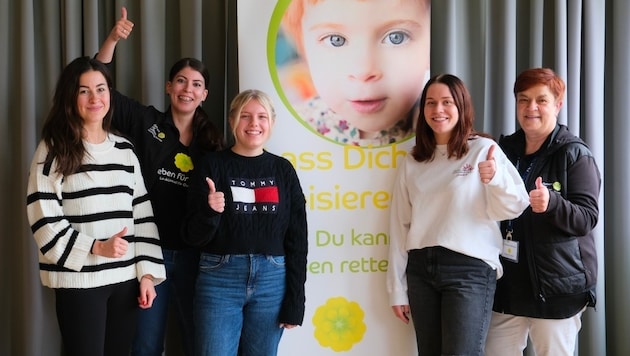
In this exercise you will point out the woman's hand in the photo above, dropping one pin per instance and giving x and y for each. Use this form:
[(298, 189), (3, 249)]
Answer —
[(216, 200), (488, 168), (539, 197), (287, 326), (123, 27), (114, 247), (401, 312), (147, 292)]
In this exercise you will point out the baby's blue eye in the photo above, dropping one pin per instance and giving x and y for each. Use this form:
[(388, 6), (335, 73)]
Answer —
[(336, 40), (396, 37)]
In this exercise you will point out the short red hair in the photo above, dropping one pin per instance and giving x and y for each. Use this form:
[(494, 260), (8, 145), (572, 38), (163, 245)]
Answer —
[(537, 76)]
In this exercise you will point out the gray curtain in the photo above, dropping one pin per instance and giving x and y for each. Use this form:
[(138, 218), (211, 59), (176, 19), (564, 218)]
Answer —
[(488, 43), (485, 42), (37, 38)]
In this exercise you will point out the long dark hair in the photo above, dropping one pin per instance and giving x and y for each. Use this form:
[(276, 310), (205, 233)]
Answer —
[(207, 135), (63, 128), (457, 146)]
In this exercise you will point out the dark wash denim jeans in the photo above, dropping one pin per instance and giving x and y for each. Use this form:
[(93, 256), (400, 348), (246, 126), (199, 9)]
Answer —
[(450, 297), (176, 291), (237, 304)]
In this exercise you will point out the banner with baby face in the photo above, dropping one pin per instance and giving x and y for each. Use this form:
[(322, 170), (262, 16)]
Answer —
[(345, 77)]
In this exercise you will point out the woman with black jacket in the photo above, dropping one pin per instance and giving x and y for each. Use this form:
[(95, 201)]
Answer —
[(166, 143), (549, 257)]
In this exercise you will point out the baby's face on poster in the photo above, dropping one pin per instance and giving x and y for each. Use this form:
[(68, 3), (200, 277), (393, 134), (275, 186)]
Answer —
[(368, 59)]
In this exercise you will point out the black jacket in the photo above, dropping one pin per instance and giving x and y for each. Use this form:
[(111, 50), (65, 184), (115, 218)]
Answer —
[(556, 272), (152, 132), (156, 139)]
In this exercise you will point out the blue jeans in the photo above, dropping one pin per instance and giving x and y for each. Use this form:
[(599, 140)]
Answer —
[(176, 291), (450, 297), (237, 303)]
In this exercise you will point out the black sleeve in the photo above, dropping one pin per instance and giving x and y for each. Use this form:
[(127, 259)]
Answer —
[(296, 249), (128, 113), (201, 222), (576, 211)]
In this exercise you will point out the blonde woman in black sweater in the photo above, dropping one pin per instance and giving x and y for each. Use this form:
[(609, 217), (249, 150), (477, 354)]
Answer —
[(247, 212)]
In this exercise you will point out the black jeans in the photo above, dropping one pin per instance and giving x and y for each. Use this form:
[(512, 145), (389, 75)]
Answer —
[(450, 297), (98, 321)]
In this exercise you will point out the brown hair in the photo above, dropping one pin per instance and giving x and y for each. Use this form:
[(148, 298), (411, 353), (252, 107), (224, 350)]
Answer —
[(457, 147), (63, 128)]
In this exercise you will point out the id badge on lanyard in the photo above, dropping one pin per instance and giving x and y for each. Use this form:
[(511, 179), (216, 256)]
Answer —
[(510, 247)]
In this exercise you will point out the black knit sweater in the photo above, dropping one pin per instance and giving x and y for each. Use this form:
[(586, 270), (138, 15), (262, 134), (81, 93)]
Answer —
[(265, 213)]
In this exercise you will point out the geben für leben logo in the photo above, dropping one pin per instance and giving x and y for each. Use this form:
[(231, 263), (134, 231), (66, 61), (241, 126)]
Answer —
[(183, 162)]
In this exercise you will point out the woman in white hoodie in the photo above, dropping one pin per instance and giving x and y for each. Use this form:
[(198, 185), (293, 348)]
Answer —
[(445, 242)]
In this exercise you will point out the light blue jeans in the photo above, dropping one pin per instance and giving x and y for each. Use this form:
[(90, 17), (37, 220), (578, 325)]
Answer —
[(237, 302), (450, 297), (176, 291)]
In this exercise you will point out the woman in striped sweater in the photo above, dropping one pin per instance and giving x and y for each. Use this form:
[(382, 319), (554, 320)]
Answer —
[(91, 217)]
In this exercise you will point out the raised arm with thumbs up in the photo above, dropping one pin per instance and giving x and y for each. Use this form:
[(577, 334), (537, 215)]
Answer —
[(168, 153), (121, 31)]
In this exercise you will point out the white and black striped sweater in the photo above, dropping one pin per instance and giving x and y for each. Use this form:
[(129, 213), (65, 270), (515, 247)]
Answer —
[(68, 213)]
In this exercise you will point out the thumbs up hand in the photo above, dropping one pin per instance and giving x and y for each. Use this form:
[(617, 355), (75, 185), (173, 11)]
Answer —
[(114, 247), (488, 168), (539, 197), (216, 200), (121, 30), (123, 27)]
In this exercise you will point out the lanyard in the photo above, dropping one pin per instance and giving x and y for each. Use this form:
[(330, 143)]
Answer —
[(524, 175)]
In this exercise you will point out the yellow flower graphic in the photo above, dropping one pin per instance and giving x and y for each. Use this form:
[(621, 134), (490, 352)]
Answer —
[(339, 324), (183, 162)]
